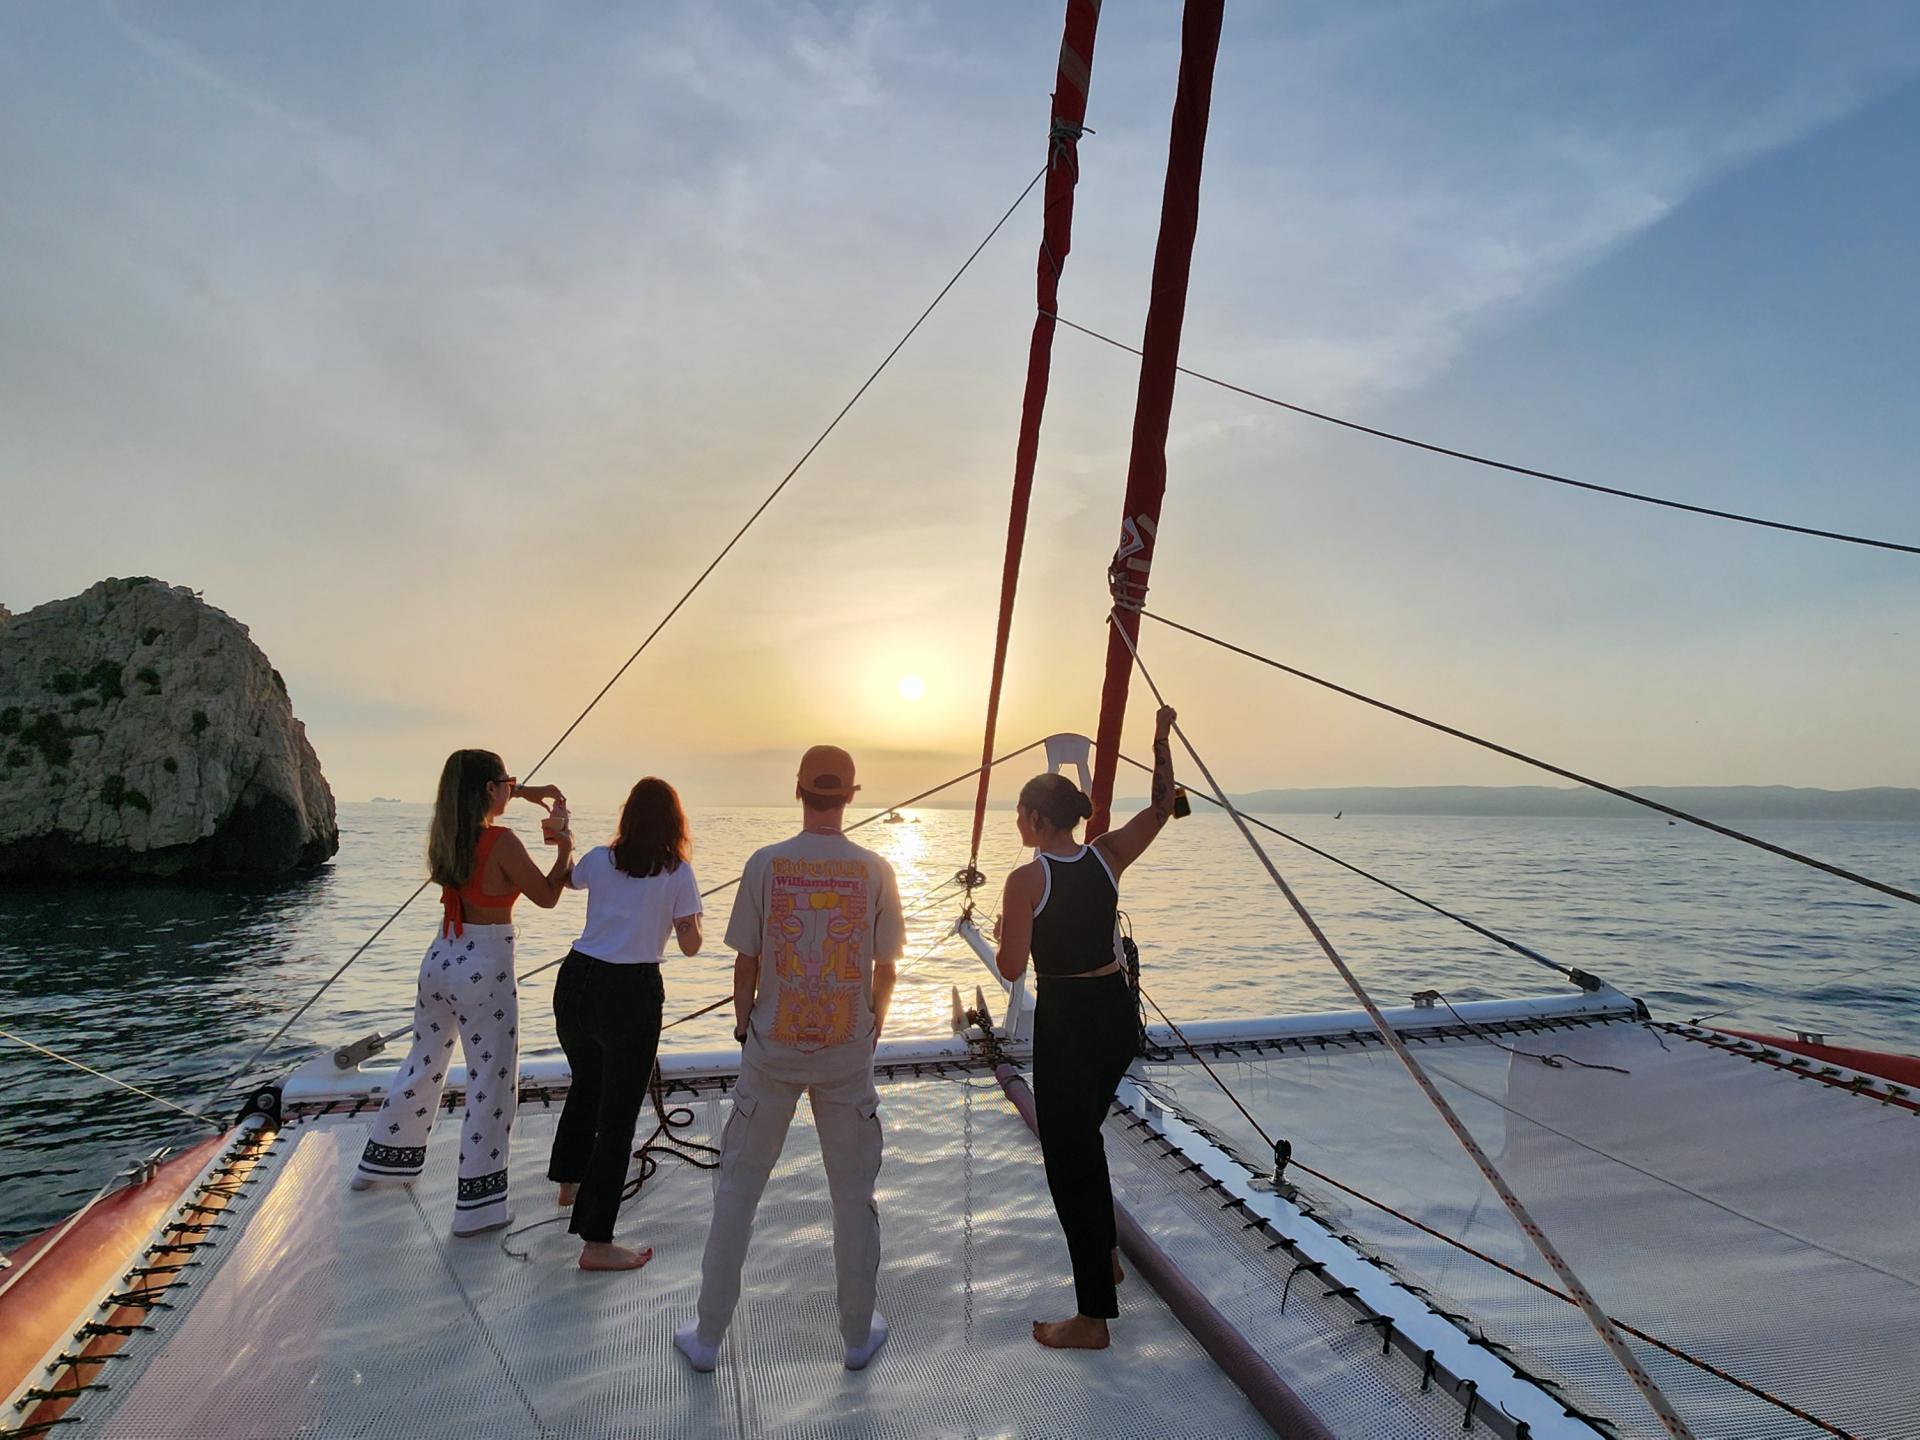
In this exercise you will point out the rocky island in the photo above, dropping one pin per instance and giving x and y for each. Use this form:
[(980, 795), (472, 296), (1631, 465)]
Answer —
[(143, 733)]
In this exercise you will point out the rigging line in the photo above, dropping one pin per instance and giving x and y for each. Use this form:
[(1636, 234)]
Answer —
[(1225, 1089), (1911, 1281), (111, 1079), (325, 985), (1524, 951), (1614, 790), (711, 890), (1295, 1163), (1650, 1392), (774, 493), (1551, 1060), (699, 580), (696, 1014), (1512, 469)]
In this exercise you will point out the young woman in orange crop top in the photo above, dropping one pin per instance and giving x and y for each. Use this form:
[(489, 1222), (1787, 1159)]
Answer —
[(467, 990)]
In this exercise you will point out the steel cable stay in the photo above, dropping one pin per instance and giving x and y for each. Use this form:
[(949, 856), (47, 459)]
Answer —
[(1526, 952), (1604, 1327), (1295, 1163), (699, 580), (112, 1079), (1798, 857), (1507, 466)]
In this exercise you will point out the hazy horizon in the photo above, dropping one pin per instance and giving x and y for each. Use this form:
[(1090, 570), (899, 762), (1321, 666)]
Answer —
[(444, 346)]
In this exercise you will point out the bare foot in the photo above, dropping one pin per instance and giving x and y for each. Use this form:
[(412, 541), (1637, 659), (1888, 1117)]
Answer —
[(567, 1192), (1082, 1332), (597, 1255), (1119, 1275)]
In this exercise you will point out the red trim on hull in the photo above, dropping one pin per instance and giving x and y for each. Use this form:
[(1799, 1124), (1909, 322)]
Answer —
[(46, 1303), (1901, 1069)]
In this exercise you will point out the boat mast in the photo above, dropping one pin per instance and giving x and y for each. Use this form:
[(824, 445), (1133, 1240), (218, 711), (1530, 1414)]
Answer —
[(1056, 238), (1159, 362)]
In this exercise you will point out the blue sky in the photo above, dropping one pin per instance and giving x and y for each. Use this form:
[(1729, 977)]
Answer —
[(417, 335)]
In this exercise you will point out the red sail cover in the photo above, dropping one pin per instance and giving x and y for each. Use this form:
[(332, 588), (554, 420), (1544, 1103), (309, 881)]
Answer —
[(1063, 171), (1160, 357)]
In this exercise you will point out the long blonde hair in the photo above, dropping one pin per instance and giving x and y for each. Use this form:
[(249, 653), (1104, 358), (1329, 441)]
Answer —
[(460, 814)]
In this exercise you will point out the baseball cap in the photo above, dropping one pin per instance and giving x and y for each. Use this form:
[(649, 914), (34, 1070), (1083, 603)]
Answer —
[(827, 771)]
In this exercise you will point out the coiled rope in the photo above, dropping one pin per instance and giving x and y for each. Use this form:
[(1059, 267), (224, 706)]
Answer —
[(1512, 469), (1742, 836), (1603, 1326)]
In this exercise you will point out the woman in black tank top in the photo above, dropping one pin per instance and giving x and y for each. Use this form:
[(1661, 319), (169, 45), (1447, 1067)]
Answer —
[(1059, 911)]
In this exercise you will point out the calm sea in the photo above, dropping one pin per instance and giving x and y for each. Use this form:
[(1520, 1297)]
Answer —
[(171, 988)]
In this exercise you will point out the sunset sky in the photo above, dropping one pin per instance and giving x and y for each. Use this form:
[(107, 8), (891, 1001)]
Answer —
[(444, 344)]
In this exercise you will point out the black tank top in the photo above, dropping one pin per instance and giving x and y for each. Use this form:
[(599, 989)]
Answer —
[(1073, 928)]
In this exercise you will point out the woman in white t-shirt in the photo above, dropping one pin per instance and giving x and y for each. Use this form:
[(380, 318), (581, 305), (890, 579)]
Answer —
[(607, 1003)]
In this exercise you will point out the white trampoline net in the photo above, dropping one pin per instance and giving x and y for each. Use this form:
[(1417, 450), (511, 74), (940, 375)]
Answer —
[(1756, 1219), (356, 1315)]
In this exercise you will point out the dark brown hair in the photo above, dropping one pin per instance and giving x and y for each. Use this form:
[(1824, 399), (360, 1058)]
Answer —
[(1056, 800), (460, 814), (653, 835)]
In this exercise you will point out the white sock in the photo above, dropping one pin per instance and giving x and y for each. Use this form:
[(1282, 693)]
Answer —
[(687, 1341), (859, 1355)]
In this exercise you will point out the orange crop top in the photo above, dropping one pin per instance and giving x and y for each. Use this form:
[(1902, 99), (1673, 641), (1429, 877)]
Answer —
[(450, 898)]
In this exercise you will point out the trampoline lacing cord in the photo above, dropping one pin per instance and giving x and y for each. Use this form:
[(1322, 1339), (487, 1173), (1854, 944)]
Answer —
[(1510, 468), (1663, 1408), (1614, 790), (1552, 1060), (1295, 1163)]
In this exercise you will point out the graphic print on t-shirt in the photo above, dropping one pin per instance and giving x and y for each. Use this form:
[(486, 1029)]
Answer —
[(816, 923)]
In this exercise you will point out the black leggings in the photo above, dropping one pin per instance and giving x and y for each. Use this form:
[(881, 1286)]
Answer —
[(608, 1017), (1084, 1036)]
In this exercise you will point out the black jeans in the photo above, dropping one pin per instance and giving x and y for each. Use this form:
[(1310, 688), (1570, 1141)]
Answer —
[(608, 1017), (1084, 1036)]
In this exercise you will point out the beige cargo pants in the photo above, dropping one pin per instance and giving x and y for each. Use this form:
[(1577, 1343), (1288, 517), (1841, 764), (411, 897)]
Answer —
[(846, 1115)]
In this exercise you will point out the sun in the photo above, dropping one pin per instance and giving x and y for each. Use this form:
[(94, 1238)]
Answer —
[(912, 687)]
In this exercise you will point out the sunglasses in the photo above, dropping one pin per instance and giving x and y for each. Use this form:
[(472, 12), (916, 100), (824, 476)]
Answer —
[(503, 780)]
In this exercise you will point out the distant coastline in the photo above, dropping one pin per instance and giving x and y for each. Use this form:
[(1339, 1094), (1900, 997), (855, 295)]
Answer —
[(1715, 802)]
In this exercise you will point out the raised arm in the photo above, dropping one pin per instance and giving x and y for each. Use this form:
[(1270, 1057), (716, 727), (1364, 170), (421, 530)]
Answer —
[(517, 865), (1127, 844), (1014, 929)]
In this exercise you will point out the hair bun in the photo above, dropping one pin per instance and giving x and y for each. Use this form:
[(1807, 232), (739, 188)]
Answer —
[(1083, 805)]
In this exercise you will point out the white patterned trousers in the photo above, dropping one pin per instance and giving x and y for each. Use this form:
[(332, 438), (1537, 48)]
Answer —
[(467, 993)]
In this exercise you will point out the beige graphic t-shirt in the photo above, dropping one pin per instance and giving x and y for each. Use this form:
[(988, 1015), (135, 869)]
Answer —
[(817, 910)]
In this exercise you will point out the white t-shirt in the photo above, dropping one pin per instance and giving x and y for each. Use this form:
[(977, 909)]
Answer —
[(630, 917)]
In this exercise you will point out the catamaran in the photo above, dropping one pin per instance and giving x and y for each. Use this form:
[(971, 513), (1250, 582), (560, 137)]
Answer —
[(1552, 1215)]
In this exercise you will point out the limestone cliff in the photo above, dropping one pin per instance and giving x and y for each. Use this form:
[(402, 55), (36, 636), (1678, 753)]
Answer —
[(143, 732)]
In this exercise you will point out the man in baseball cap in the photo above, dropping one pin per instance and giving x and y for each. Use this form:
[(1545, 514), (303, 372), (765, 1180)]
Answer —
[(826, 773), (816, 929)]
